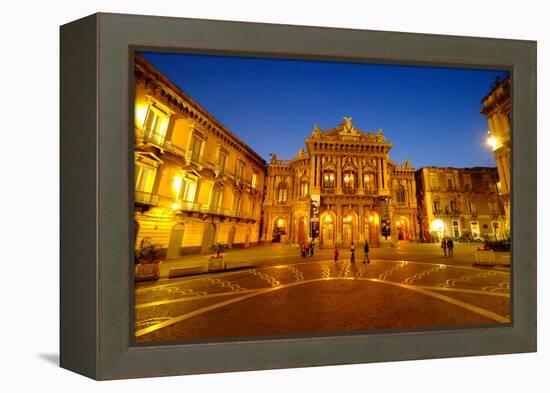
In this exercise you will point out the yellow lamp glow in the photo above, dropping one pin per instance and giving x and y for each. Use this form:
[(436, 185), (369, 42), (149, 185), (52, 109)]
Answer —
[(328, 218), (176, 184), (371, 218), (438, 226), (280, 222), (492, 142)]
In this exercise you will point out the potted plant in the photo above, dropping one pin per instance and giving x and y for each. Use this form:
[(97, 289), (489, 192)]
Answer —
[(216, 262), (147, 264)]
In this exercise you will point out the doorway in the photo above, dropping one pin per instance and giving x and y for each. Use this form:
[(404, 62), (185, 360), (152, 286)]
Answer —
[(174, 244), (208, 236)]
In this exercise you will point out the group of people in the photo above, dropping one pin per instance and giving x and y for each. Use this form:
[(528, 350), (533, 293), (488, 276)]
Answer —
[(307, 248), (447, 245), (366, 258)]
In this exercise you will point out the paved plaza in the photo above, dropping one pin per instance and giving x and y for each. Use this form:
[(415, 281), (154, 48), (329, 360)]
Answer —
[(406, 286)]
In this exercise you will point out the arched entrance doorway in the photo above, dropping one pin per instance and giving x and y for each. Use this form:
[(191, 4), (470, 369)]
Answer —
[(327, 229), (208, 236), (231, 236), (279, 230), (301, 233), (174, 244), (403, 228), (372, 228), (349, 229)]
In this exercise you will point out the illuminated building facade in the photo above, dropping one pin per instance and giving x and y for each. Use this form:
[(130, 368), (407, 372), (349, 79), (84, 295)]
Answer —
[(497, 108), (342, 189), (196, 183), (459, 201)]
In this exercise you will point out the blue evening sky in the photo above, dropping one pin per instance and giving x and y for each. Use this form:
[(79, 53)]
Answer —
[(431, 115)]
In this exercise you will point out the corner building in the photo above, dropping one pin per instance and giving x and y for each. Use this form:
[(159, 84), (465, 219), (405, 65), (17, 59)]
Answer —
[(196, 183), (344, 188), (459, 201), (497, 107)]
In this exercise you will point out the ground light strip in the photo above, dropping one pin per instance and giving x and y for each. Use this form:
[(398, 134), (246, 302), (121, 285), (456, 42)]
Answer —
[(466, 306)]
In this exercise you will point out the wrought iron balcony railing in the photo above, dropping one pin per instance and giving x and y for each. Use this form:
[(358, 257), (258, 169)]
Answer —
[(146, 198), (206, 209)]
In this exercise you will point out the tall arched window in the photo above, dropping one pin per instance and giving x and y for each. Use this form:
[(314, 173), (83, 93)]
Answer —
[(282, 192), (349, 180), (329, 178), (400, 194), (304, 187)]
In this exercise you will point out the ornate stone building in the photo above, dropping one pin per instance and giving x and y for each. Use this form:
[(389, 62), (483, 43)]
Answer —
[(344, 188), (196, 183), (497, 107), (459, 201)]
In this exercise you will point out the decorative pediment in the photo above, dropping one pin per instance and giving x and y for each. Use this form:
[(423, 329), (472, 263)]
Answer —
[(347, 131)]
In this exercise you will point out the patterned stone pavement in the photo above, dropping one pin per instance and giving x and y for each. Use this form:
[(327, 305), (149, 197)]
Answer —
[(321, 296)]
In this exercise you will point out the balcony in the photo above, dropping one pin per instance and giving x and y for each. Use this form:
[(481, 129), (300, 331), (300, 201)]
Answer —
[(434, 188), (327, 191), (194, 207), (348, 190), (146, 198)]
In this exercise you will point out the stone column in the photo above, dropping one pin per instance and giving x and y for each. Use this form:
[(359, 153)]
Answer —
[(379, 173), (339, 176), (338, 224), (360, 179), (312, 173)]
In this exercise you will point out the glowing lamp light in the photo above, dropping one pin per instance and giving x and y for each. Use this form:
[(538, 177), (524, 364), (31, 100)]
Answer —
[(492, 142), (438, 226), (371, 218), (280, 222), (328, 218), (175, 206), (176, 184)]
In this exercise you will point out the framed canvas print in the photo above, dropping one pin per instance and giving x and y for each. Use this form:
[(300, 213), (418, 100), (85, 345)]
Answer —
[(240, 196)]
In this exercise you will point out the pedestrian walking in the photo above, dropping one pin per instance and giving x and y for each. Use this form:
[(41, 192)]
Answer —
[(311, 246), (444, 246), (366, 249), (336, 253), (304, 249), (352, 249), (450, 247)]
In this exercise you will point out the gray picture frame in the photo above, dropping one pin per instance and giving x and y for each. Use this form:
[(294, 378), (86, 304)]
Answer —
[(96, 292)]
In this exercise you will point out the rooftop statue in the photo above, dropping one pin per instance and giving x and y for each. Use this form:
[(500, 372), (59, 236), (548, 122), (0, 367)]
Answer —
[(380, 136), (316, 131), (347, 123)]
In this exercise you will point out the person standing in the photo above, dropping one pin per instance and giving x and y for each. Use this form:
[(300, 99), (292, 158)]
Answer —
[(444, 246), (366, 249), (450, 247), (352, 249), (311, 246), (336, 253)]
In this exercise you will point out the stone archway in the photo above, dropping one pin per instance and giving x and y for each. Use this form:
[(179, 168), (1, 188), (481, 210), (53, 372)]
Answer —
[(176, 239), (403, 228), (280, 228), (372, 228), (208, 237), (231, 236), (328, 229), (349, 228)]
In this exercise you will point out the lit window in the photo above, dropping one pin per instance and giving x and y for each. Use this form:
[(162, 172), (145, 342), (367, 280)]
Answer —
[(144, 178), (195, 148), (154, 127), (400, 194), (216, 197), (282, 192), (254, 179), (304, 188), (328, 179), (349, 180), (239, 170), (222, 159)]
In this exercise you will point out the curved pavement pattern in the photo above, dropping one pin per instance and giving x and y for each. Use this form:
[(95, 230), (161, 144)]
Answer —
[(319, 297)]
